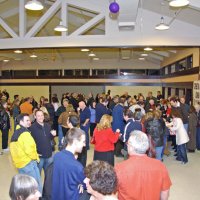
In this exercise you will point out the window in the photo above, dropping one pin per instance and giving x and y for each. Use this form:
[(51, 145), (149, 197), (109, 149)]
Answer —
[(24, 73), (68, 72), (49, 73), (132, 72), (6, 73)]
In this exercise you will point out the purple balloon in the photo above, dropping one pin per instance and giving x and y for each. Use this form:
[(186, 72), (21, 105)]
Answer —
[(114, 7)]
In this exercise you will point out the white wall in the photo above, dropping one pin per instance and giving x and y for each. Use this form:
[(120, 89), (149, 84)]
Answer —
[(59, 90), (133, 90), (27, 90)]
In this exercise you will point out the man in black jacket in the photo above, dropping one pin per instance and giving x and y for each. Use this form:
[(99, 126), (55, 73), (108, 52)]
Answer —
[(42, 134)]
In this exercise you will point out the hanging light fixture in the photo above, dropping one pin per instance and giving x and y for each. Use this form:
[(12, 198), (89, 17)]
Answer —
[(162, 26), (33, 55), (141, 58), (85, 50), (60, 28), (91, 54), (179, 3), (144, 54), (18, 51), (34, 5), (148, 49)]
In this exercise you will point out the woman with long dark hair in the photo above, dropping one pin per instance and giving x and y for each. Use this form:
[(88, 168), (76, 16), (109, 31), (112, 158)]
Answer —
[(4, 125)]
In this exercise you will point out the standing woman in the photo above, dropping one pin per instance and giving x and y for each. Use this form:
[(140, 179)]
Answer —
[(16, 112), (197, 107), (181, 136), (192, 128), (93, 123), (4, 125), (105, 139)]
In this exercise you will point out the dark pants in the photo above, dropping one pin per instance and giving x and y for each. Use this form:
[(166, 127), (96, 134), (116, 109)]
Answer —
[(4, 138), (82, 157), (181, 153), (198, 138), (107, 156), (64, 130), (92, 127), (118, 147)]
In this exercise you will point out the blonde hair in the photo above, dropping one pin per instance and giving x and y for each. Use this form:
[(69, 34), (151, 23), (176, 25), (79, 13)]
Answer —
[(157, 114), (105, 122), (133, 101), (70, 108), (149, 115)]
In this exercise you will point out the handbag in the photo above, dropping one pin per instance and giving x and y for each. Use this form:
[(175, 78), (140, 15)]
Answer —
[(92, 140)]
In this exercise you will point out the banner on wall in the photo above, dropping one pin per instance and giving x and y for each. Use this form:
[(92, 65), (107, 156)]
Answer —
[(196, 92)]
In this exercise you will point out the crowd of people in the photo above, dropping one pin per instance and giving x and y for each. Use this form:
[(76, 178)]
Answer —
[(135, 128)]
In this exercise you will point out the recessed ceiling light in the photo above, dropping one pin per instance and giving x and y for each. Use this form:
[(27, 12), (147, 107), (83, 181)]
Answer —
[(85, 50), (141, 58), (95, 58), (33, 55), (17, 59), (18, 51), (179, 3), (34, 5), (148, 49), (6, 60), (144, 54), (91, 54)]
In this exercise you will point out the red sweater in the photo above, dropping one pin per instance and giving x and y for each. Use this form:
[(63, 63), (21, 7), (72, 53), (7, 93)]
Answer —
[(105, 139)]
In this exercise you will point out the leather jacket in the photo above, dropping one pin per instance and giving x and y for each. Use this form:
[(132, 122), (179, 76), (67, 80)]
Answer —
[(156, 127), (4, 120)]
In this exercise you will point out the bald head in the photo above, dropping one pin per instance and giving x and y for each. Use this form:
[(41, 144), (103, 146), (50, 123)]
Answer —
[(82, 105)]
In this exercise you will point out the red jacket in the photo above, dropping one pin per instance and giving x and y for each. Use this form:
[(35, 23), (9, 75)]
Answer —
[(105, 139)]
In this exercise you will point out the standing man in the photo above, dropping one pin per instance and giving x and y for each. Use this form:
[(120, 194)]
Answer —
[(68, 173), (84, 125), (118, 123), (26, 107), (141, 177), (60, 110), (184, 109), (23, 149), (101, 108), (43, 135)]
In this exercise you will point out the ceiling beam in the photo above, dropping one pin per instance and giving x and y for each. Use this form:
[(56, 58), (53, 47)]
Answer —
[(91, 23), (157, 57), (10, 13), (195, 4), (22, 18), (7, 28), (172, 51), (44, 19), (161, 53)]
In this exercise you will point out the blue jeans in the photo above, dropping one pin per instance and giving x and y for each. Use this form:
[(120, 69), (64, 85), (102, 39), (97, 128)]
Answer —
[(198, 138), (181, 153), (159, 153), (186, 127), (44, 163), (31, 169), (60, 135)]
